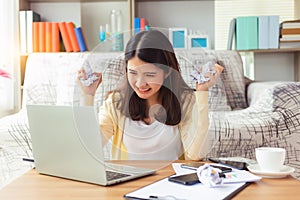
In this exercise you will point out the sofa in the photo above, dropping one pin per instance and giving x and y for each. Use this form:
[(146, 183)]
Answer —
[(244, 114)]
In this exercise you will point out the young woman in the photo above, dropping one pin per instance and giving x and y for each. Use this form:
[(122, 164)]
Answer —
[(154, 114)]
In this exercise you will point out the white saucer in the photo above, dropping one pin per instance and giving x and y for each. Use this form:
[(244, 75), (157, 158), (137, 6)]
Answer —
[(284, 171)]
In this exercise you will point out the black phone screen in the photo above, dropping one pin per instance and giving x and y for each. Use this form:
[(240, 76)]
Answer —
[(235, 164), (196, 165), (186, 179)]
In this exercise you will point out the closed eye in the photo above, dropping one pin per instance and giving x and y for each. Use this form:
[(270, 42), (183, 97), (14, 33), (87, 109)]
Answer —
[(132, 71), (150, 74)]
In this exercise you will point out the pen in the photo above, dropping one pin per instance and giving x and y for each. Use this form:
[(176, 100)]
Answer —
[(28, 159), (167, 197)]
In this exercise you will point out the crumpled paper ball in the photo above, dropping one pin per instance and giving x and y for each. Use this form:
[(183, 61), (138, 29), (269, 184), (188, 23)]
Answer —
[(209, 175), (199, 77), (90, 77)]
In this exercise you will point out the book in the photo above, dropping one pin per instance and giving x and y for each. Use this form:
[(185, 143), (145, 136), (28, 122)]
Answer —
[(231, 34), (23, 32), (290, 37), (291, 25), (263, 32), (273, 22), (142, 24), (289, 31), (72, 36), (289, 44), (80, 39), (35, 36), (283, 40), (65, 36), (246, 32), (31, 17), (137, 25), (55, 37), (48, 36), (42, 36)]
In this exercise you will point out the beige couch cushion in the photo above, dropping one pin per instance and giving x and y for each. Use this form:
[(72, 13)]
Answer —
[(233, 78)]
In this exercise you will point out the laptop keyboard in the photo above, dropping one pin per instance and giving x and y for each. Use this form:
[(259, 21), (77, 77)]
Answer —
[(110, 175)]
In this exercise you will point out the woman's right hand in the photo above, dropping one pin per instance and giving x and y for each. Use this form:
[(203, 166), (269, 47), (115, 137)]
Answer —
[(91, 89)]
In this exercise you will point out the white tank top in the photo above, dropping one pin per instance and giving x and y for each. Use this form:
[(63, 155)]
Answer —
[(155, 141)]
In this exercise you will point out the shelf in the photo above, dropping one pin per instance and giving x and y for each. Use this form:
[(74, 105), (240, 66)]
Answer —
[(68, 1), (271, 50), (96, 0)]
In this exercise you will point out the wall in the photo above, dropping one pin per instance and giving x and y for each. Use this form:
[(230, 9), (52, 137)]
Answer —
[(94, 14), (195, 15), (297, 9), (274, 66)]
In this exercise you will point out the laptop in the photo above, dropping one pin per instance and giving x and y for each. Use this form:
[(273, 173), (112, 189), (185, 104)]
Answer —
[(67, 143)]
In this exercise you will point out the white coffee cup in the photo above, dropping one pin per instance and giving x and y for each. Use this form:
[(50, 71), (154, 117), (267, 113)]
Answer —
[(270, 158)]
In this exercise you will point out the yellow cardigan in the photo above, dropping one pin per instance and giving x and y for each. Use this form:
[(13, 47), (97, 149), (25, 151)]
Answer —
[(193, 127)]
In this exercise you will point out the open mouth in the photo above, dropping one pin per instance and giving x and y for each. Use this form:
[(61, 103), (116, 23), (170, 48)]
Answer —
[(143, 90)]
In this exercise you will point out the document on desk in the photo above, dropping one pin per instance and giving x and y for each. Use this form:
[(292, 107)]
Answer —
[(234, 182), (165, 190)]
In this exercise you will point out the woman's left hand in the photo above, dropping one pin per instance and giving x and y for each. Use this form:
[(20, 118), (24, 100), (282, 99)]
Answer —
[(212, 78)]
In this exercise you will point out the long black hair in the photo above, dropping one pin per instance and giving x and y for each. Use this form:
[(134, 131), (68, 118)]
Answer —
[(154, 47)]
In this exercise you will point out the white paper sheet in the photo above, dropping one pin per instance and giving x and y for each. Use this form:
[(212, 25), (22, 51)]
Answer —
[(166, 190)]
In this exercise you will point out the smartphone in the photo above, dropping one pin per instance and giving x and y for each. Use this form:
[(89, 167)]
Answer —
[(196, 165), (186, 179), (234, 164)]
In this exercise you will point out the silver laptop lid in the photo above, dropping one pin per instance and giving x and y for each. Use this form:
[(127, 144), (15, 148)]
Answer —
[(67, 143), (64, 142)]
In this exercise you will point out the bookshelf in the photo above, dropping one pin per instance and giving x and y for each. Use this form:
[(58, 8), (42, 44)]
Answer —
[(90, 14)]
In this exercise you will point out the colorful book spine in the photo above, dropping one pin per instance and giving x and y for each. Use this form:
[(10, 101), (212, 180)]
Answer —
[(65, 36), (246, 33), (289, 31), (137, 25), (142, 24), (263, 32), (42, 36), (55, 37), (35, 37), (80, 39), (48, 36), (72, 36), (273, 32)]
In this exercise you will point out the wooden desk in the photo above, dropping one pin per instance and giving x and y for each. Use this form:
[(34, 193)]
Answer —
[(33, 186)]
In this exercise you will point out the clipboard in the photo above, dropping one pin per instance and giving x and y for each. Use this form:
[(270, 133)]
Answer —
[(165, 190)]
